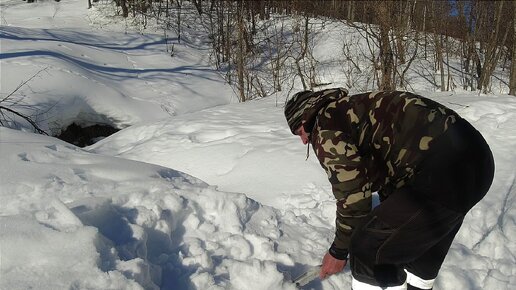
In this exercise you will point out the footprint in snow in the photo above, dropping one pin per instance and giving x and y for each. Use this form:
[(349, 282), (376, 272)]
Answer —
[(23, 157)]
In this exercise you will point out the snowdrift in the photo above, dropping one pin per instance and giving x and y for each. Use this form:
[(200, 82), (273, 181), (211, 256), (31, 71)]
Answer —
[(98, 222)]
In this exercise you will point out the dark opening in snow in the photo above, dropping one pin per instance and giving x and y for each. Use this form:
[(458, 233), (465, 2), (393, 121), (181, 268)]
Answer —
[(84, 136)]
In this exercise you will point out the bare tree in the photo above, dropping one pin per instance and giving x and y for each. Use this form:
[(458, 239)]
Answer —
[(240, 52), (303, 46), (512, 84), (396, 34)]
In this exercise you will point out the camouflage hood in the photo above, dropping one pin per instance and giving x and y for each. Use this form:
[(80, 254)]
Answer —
[(305, 105)]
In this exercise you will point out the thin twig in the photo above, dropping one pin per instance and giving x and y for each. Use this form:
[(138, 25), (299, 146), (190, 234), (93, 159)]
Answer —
[(15, 102), (28, 119), (22, 84)]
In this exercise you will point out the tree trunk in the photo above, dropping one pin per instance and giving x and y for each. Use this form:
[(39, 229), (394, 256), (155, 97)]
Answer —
[(493, 51), (512, 83), (351, 11), (179, 6), (240, 53), (440, 59), (125, 10), (386, 55), (383, 13)]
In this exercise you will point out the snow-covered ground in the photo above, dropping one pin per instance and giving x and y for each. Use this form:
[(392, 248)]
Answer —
[(197, 192)]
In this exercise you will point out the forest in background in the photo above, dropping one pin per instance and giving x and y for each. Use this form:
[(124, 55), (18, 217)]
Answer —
[(266, 46)]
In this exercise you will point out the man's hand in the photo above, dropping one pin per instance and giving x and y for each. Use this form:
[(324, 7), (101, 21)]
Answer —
[(331, 266)]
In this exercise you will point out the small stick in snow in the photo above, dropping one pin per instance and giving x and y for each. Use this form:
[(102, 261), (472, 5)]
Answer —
[(307, 276)]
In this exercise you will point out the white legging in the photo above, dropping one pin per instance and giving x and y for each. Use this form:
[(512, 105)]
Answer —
[(419, 282), (411, 279)]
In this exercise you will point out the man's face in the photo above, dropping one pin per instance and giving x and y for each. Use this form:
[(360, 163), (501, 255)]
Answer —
[(302, 134)]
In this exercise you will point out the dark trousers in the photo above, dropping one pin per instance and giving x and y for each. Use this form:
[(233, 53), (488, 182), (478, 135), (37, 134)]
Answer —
[(414, 227)]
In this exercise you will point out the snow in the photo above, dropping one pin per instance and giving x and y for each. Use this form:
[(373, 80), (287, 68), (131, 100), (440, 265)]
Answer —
[(196, 191)]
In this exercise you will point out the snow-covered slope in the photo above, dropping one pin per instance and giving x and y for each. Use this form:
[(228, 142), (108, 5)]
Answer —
[(251, 151), (85, 75), (192, 195)]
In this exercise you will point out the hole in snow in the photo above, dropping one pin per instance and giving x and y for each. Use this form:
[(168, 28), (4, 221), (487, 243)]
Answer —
[(86, 135)]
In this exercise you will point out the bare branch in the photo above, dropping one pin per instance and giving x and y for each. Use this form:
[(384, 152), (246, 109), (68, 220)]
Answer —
[(22, 84), (28, 119), (12, 103)]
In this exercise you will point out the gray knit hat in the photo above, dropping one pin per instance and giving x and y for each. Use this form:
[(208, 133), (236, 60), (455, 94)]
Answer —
[(294, 109)]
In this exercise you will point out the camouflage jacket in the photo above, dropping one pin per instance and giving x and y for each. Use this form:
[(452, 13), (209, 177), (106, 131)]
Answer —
[(370, 142)]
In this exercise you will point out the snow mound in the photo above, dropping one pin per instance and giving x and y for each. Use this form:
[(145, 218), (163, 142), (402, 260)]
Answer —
[(107, 223)]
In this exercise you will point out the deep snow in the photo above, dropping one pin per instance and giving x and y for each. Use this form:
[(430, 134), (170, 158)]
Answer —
[(197, 191)]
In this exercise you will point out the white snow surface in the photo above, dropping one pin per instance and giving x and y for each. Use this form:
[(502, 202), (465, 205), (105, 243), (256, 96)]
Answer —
[(197, 192)]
